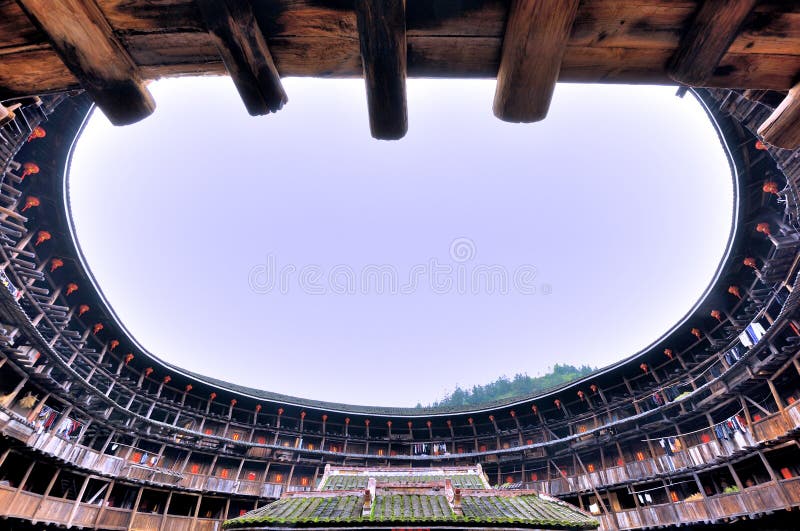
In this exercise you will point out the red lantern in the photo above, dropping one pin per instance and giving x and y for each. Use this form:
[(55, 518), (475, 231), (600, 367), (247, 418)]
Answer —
[(212, 396), (31, 202), (38, 132), (761, 146), (449, 422), (643, 366), (366, 422), (696, 333), (280, 411), (188, 388), (427, 423), (42, 237), (389, 423), (534, 409), (29, 168), (734, 290), (770, 187), (302, 414), (668, 352), (167, 379), (128, 358), (148, 371), (491, 418), (716, 315), (593, 387), (557, 402), (233, 402), (470, 420), (55, 263), (763, 228), (258, 408), (114, 344), (347, 420), (71, 288), (750, 262), (96, 328), (82, 309)]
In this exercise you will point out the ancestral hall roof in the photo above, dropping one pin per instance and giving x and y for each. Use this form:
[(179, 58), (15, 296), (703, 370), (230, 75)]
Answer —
[(457, 497)]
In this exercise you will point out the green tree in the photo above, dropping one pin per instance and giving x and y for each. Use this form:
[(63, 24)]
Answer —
[(520, 384)]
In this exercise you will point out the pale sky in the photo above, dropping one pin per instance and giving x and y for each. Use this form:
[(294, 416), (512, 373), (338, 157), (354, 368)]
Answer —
[(296, 254)]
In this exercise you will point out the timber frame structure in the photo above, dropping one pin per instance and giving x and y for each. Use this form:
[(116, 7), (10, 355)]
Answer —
[(111, 48), (701, 427)]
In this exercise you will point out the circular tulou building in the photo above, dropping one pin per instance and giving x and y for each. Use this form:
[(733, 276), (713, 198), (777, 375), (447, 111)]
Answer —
[(699, 429)]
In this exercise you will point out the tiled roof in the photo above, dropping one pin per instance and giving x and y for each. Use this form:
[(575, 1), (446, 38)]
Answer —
[(528, 507), (407, 506), (297, 509), (323, 510), (348, 482)]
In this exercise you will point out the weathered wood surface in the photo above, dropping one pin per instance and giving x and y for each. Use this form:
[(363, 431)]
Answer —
[(711, 33), (782, 128), (86, 44), (244, 51), (533, 47), (382, 37), (611, 41)]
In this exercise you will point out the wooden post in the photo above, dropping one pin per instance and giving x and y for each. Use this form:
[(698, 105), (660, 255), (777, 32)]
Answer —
[(711, 33), (533, 46), (78, 501), (775, 396), (135, 508), (22, 484), (104, 504), (83, 38), (161, 527), (382, 37), (244, 50), (782, 128), (46, 494)]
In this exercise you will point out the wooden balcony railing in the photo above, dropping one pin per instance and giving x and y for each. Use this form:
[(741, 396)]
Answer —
[(755, 500)]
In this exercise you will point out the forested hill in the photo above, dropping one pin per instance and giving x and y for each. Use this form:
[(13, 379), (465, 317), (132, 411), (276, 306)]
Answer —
[(505, 387)]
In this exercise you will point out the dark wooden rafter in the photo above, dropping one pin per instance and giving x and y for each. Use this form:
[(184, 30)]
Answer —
[(85, 42), (712, 31), (244, 50), (533, 46), (382, 36), (782, 128)]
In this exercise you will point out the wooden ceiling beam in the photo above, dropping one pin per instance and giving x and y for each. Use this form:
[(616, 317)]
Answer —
[(244, 51), (382, 36), (711, 33), (782, 127), (85, 42), (533, 46)]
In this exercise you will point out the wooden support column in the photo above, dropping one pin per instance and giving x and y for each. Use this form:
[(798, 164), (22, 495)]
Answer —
[(78, 499), (104, 503), (711, 33), (535, 40), (782, 128), (84, 40), (382, 35), (244, 50), (135, 508), (775, 396)]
